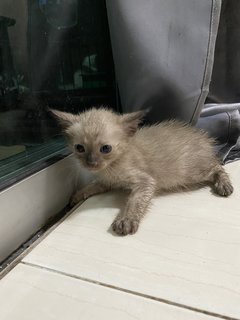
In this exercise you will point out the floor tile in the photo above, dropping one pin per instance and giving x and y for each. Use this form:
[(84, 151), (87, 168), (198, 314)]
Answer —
[(29, 293), (187, 249)]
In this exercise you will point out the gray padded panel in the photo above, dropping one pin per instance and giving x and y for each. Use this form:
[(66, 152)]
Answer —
[(163, 54)]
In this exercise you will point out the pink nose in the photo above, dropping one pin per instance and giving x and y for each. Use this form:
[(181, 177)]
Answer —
[(91, 160), (92, 163)]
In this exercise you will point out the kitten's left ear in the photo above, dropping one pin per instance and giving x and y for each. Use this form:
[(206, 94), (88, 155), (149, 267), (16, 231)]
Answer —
[(64, 118), (132, 120)]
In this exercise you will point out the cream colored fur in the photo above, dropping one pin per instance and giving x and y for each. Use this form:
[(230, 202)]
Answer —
[(170, 156)]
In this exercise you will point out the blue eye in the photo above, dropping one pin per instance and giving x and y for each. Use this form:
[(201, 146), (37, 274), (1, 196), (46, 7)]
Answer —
[(79, 148), (106, 148)]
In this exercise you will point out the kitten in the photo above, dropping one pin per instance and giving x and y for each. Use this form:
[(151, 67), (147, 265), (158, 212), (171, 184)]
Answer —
[(169, 156)]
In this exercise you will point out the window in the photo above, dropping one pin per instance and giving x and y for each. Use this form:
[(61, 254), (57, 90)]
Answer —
[(53, 53)]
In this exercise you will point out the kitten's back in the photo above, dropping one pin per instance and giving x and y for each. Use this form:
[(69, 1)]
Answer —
[(173, 150)]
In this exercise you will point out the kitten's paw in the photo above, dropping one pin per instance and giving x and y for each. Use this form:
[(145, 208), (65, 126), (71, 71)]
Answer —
[(76, 198), (222, 184), (223, 189), (124, 226)]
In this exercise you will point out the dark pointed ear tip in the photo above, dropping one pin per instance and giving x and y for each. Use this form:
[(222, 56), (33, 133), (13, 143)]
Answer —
[(146, 110), (55, 113), (51, 111), (142, 113)]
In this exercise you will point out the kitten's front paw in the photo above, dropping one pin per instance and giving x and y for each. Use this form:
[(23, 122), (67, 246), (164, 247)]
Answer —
[(77, 197), (124, 226)]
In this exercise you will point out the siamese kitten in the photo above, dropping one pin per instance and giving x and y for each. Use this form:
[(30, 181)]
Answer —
[(169, 156)]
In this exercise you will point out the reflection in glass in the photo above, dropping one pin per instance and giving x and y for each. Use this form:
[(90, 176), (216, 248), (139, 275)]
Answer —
[(53, 53)]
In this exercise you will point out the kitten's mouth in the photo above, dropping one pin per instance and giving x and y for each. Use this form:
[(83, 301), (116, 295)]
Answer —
[(92, 167)]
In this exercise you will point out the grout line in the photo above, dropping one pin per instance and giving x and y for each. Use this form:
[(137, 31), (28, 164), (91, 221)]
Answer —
[(12, 264), (135, 293)]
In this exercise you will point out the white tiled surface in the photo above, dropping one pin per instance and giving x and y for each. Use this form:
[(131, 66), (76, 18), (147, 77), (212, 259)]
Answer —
[(187, 251), (33, 294)]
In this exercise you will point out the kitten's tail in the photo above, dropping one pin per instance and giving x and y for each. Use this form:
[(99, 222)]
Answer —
[(221, 183)]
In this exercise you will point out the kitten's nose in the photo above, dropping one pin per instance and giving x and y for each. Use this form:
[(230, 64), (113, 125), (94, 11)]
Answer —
[(92, 160)]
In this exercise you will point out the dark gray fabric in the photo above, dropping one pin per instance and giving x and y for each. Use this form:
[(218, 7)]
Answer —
[(163, 53), (225, 83), (222, 122)]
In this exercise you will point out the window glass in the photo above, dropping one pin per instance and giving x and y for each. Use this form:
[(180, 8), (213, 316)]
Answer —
[(53, 53)]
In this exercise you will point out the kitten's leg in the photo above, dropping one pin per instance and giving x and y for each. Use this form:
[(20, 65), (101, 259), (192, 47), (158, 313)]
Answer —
[(221, 183), (137, 204), (93, 188)]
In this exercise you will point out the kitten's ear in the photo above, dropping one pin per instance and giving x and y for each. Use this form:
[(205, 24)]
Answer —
[(132, 120), (65, 119)]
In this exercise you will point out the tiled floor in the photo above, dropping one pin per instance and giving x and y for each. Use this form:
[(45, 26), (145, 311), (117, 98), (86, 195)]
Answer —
[(184, 263)]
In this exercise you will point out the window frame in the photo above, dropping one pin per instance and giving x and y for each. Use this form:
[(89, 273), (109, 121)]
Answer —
[(27, 205)]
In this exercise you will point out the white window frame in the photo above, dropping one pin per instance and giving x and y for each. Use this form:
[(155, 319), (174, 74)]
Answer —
[(27, 205)]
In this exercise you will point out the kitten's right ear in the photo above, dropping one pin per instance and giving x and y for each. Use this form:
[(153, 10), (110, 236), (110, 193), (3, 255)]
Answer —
[(65, 119), (132, 120)]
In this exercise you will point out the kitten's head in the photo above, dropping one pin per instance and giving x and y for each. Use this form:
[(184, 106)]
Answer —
[(99, 137)]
